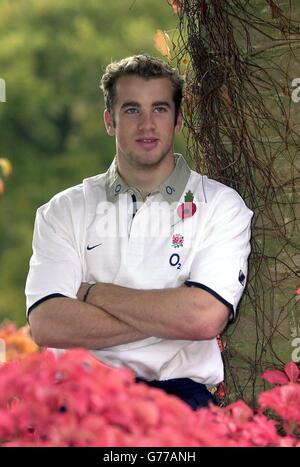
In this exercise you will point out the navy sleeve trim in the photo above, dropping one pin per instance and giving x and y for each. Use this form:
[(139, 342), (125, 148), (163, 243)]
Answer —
[(216, 295), (134, 205), (53, 295)]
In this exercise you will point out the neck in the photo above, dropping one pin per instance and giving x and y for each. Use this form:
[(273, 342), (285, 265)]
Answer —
[(145, 178)]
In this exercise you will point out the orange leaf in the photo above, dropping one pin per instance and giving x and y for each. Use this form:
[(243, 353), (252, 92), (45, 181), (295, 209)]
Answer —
[(1, 187), (175, 4), (6, 167), (184, 63), (162, 43)]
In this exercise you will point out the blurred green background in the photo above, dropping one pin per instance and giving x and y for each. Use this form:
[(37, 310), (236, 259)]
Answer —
[(52, 54)]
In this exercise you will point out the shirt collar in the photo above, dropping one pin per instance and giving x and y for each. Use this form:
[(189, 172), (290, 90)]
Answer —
[(171, 189)]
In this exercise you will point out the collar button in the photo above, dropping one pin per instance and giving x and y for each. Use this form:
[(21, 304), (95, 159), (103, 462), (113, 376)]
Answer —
[(118, 188), (170, 190)]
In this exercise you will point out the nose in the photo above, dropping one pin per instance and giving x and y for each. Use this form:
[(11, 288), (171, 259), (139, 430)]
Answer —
[(146, 121)]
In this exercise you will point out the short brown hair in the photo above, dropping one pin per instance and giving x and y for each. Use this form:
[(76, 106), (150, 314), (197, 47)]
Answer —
[(145, 66)]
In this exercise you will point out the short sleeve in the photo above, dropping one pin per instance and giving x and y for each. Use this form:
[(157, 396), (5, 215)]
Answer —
[(220, 264), (55, 267)]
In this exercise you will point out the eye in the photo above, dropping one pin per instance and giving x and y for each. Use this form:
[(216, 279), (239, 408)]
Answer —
[(160, 109), (131, 110)]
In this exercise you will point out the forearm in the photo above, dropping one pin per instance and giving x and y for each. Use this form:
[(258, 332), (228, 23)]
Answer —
[(65, 323), (168, 313)]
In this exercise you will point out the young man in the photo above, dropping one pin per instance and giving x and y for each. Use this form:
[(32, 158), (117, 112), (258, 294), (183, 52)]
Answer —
[(145, 264)]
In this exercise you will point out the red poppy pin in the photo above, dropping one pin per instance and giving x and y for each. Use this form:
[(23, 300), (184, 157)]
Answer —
[(188, 208)]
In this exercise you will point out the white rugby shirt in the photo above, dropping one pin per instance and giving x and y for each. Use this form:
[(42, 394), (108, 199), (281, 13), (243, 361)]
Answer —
[(102, 231)]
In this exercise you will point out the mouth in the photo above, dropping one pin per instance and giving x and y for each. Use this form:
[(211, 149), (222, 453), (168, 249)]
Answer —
[(147, 143)]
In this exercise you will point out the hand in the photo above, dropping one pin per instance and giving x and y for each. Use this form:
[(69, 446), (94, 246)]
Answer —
[(82, 290), (100, 295)]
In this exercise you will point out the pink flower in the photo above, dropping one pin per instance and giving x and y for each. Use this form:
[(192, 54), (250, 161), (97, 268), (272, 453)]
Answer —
[(75, 400), (290, 374), (283, 400)]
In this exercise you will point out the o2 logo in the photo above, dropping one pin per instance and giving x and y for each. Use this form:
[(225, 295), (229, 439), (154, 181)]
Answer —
[(174, 260), (296, 91)]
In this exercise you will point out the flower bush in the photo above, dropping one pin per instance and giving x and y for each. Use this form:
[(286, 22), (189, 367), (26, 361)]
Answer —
[(75, 400), (17, 341), (5, 171)]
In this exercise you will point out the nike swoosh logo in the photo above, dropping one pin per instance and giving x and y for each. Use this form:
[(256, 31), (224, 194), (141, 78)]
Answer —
[(92, 247)]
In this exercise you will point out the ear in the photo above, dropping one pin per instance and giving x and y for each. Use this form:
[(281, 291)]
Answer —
[(178, 126), (109, 124)]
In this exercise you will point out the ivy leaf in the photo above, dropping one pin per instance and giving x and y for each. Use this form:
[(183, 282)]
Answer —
[(224, 94), (275, 10)]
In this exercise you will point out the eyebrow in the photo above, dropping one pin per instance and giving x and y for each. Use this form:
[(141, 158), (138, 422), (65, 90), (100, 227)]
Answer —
[(154, 104)]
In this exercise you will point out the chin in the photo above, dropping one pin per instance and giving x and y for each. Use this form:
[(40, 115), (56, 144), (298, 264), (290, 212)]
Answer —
[(149, 160), (151, 157)]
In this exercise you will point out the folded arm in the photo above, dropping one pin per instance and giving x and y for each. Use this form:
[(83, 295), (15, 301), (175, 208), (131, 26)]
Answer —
[(172, 313), (65, 322)]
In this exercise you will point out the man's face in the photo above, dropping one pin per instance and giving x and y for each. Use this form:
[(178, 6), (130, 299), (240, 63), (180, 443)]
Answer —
[(144, 116)]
